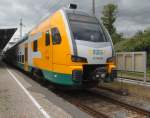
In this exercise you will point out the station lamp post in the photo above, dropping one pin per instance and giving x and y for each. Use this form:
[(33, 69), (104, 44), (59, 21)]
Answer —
[(93, 6), (21, 28)]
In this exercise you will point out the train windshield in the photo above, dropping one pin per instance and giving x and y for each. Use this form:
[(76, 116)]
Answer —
[(87, 28)]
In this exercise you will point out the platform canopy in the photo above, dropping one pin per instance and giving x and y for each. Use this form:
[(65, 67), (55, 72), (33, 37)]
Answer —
[(5, 36)]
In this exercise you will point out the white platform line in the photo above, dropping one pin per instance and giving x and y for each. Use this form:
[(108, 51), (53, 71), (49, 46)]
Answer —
[(40, 108)]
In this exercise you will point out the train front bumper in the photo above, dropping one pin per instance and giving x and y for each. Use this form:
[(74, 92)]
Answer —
[(92, 74)]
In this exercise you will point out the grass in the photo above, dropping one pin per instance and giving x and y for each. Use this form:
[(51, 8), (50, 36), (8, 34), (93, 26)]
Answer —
[(134, 75)]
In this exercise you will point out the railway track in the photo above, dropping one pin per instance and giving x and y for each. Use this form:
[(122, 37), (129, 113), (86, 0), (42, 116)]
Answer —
[(120, 91), (77, 102), (125, 105), (78, 99), (96, 114)]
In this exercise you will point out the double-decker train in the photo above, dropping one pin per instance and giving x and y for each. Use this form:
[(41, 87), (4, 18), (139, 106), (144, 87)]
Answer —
[(70, 48)]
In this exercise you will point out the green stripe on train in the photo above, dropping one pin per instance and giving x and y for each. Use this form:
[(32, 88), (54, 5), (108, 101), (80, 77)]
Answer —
[(20, 65), (58, 78)]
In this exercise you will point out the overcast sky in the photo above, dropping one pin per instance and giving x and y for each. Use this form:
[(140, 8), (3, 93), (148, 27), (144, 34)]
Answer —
[(133, 15)]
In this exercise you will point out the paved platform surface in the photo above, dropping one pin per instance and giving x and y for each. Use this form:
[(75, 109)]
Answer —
[(21, 97)]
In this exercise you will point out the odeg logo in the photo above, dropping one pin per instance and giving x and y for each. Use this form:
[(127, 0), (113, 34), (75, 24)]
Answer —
[(96, 52)]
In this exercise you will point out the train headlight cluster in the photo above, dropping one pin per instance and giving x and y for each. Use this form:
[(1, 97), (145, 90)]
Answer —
[(77, 75), (78, 59)]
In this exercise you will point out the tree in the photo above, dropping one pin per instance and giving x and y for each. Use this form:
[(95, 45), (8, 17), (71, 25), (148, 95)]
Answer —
[(109, 17), (139, 33), (117, 37)]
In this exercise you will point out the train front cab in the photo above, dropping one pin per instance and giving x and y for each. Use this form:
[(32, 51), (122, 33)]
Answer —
[(93, 53), (84, 56)]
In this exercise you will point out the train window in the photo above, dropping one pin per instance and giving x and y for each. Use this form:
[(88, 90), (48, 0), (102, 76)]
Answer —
[(56, 38), (47, 40), (35, 45), (19, 58), (22, 58)]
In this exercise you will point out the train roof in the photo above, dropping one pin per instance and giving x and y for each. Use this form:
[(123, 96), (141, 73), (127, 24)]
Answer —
[(5, 36), (65, 11), (19, 42)]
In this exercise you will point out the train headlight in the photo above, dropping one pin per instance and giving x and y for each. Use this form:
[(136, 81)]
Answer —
[(78, 59), (77, 75)]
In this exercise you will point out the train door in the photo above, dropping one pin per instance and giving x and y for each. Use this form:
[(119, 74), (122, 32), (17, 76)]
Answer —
[(48, 51), (26, 58), (58, 51)]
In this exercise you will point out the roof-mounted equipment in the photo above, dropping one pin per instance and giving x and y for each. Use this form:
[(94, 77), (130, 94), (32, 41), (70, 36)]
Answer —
[(72, 6)]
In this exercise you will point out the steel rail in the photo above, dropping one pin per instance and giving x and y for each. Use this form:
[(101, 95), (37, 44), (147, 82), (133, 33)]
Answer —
[(120, 103), (90, 110)]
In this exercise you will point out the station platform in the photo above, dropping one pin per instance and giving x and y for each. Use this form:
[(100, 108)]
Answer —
[(21, 97)]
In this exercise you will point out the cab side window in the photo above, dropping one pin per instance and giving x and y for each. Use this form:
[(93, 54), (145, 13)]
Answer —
[(56, 38), (35, 44), (47, 38)]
